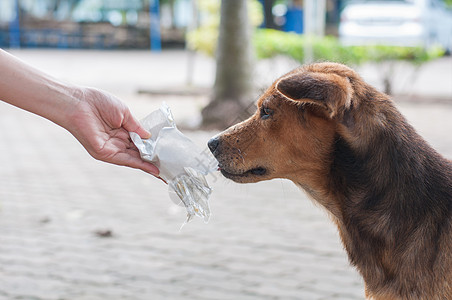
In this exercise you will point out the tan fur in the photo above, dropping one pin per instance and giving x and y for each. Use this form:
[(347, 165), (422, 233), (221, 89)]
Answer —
[(395, 222)]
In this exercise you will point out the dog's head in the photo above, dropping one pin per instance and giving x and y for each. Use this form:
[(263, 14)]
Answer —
[(292, 133)]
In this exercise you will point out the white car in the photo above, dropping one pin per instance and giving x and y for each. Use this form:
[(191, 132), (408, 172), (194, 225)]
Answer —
[(397, 22)]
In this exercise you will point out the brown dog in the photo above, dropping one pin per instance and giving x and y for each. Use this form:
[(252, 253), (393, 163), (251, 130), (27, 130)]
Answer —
[(345, 143)]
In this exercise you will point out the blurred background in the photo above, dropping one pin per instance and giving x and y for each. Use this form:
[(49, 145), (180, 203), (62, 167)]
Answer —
[(75, 228), (116, 24)]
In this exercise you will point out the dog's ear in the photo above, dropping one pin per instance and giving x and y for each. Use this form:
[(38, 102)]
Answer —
[(331, 91)]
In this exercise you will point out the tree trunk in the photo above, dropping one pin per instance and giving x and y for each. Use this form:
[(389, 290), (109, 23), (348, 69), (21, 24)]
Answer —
[(233, 88)]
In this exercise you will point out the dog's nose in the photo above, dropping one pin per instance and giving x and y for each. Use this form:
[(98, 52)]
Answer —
[(213, 144)]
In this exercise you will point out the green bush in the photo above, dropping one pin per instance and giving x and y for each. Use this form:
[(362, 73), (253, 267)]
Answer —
[(270, 43), (415, 55), (203, 40)]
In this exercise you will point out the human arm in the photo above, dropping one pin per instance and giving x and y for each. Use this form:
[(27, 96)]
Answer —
[(98, 120)]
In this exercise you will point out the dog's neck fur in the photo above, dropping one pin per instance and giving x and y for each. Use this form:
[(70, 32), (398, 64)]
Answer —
[(388, 187)]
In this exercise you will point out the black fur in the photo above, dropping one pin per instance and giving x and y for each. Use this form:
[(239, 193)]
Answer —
[(404, 188)]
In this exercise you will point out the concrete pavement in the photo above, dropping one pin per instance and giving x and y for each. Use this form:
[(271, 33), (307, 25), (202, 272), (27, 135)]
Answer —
[(57, 204)]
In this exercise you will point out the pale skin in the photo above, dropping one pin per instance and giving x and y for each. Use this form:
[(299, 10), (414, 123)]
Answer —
[(98, 120)]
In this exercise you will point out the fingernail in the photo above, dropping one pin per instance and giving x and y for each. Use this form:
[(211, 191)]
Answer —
[(148, 134)]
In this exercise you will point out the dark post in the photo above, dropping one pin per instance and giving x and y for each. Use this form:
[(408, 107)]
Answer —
[(154, 14), (268, 14), (14, 28)]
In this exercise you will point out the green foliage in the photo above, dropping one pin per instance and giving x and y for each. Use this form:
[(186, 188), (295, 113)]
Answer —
[(415, 55), (203, 40), (269, 43)]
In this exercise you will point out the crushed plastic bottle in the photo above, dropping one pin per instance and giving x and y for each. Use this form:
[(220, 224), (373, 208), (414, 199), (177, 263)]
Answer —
[(182, 164)]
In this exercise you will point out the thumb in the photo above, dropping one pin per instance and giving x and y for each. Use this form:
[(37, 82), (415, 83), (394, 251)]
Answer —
[(133, 125)]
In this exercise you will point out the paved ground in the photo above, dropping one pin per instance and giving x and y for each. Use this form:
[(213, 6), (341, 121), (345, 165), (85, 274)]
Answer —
[(57, 204)]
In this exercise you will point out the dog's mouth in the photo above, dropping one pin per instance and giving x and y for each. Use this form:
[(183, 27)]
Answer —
[(258, 171)]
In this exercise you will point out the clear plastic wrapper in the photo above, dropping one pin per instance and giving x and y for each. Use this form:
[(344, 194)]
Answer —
[(182, 164)]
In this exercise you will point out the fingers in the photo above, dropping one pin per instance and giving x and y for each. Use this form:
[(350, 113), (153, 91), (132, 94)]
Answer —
[(132, 125), (120, 150), (142, 165), (131, 158), (143, 133), (149, 168)]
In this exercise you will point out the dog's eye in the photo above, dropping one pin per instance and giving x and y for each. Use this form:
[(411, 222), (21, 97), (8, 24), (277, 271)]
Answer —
[(266, 112)]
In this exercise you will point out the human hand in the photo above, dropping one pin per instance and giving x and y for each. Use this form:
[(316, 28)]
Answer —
[(98, 120), (101, 123)]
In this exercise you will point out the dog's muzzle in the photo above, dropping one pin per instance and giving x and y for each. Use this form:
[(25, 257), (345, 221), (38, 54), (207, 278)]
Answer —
[(229, 170)]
